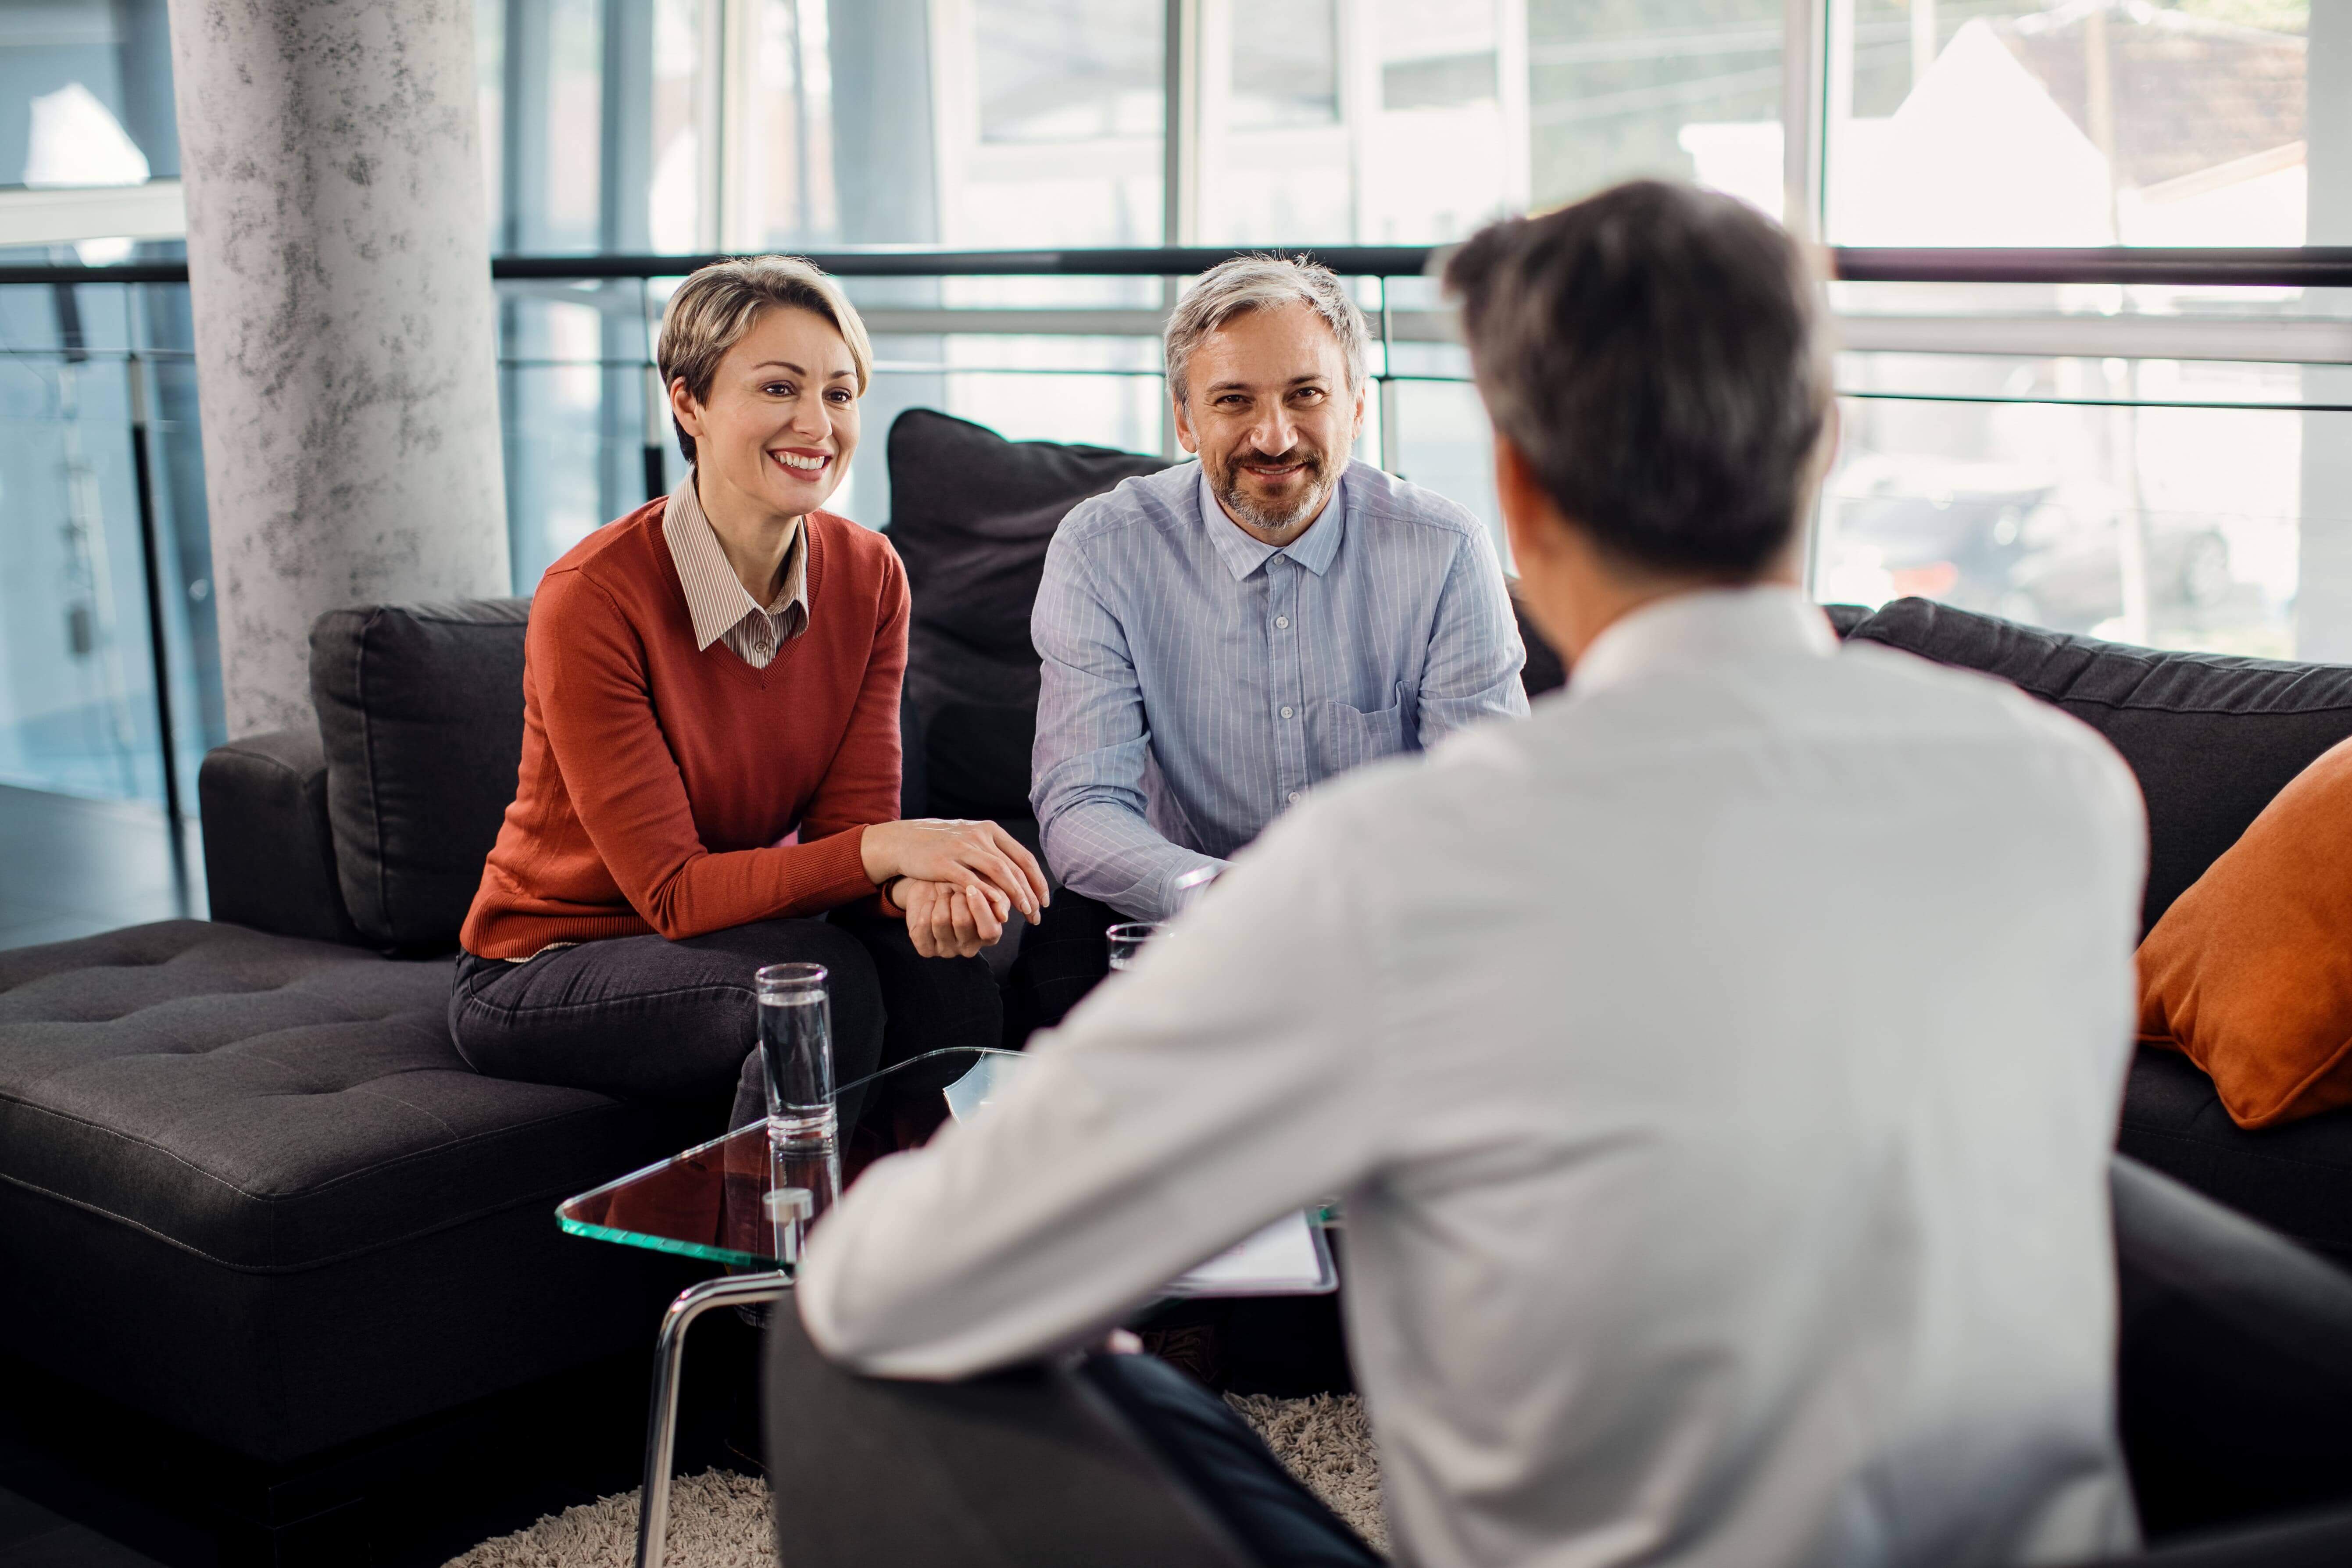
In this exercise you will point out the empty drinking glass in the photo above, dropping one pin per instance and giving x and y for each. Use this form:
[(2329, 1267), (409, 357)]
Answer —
[(796, 1052), (1127, 941)]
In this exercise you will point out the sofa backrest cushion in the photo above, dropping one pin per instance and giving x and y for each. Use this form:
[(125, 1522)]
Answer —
[(972, 514), (2211, 737), (420, 710)]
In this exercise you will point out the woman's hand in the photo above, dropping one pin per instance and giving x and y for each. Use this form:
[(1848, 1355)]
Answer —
[(948, 921), (958, 854)]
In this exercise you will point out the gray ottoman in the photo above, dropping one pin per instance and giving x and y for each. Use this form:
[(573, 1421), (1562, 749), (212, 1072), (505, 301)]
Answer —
[(247, 1186)]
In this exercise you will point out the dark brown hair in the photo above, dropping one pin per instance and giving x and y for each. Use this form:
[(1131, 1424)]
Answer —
[(1658, 356)]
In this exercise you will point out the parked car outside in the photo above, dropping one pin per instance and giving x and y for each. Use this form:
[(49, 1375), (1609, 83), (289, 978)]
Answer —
[(2010, 542)]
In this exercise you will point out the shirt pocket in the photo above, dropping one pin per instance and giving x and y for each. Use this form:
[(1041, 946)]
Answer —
[(1350, 736)]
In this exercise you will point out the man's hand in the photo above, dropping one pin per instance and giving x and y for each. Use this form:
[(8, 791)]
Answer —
[(958, 855), (945, 921)]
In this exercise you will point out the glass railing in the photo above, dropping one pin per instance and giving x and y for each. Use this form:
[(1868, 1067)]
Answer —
[(107, 644), (2146, 445)]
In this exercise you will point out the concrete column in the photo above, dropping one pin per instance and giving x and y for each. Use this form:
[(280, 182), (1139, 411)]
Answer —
[(338, 268)]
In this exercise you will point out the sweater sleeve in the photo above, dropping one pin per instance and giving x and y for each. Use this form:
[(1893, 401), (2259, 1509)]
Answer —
[(624, 784)]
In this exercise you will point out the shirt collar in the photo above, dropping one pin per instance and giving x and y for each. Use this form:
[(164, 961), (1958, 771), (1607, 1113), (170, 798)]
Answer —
[(1244, 553), (716, 599), (1706, 629)]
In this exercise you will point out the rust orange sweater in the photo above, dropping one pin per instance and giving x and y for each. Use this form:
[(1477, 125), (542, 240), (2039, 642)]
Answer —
[(658, 780)]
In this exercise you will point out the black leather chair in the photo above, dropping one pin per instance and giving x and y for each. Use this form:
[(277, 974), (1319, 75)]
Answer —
[(2234, 1375), (2233, 1361), (2322, 1540)]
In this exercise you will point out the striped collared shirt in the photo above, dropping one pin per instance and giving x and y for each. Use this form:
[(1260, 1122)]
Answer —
[(1197, 681), (714, 597)]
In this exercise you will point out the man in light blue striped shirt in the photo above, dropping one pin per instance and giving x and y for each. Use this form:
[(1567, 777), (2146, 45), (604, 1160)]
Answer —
[(1218, 638)]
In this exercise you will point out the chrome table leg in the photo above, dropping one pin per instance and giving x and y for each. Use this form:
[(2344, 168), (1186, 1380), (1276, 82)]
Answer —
[(661, 1420)]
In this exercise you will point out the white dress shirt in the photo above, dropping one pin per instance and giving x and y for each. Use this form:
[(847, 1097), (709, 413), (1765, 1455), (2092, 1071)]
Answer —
[(1720, 1071)]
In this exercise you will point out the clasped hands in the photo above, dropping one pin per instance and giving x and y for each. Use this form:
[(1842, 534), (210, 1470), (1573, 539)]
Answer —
[(957, 881)]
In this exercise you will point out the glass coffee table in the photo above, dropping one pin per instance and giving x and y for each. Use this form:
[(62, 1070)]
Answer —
[(741, 1202)]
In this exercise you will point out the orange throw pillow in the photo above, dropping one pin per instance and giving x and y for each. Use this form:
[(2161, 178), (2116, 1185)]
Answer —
[(2250, 972)]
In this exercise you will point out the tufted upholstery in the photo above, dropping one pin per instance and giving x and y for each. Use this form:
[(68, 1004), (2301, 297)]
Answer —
[(227, 1156), (266, 1102)]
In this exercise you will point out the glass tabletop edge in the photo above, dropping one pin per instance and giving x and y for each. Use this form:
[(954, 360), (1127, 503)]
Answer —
[(648, 1169), (703, 1252)]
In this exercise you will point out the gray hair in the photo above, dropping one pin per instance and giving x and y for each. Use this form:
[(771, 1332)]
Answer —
[(1247, 283), (1660, 355)]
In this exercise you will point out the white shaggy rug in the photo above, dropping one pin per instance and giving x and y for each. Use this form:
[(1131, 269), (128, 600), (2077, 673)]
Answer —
[(719, 1520)]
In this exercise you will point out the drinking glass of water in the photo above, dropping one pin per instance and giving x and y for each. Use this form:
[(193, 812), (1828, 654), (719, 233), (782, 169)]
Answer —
[(796, 1052), (1127, 941)]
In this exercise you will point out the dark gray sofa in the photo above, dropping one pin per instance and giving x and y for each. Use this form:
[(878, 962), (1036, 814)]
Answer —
[(2211, 739), (247, 1185), (249, 1190)]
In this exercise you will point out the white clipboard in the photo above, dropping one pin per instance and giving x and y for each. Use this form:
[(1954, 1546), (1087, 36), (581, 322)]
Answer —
[(1289, 1257)]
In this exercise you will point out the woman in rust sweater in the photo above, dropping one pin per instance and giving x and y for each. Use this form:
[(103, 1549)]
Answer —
[(710, 765)]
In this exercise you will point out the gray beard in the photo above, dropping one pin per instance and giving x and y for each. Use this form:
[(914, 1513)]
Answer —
[(1290, 521)]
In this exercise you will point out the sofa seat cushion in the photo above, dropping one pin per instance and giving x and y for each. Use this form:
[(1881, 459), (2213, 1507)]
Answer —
[(274, 1104), (248, 1189), (2296, 1178)]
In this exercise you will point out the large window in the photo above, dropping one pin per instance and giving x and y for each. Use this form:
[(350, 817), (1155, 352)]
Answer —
[(90, 173), (2163, 461), (2180, 487), (1968, 122)]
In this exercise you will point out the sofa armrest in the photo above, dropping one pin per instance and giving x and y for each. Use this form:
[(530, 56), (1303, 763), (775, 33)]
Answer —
[(270, 854)]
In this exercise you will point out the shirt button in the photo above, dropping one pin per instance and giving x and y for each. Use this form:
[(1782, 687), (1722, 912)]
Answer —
[(1286, 712), (1282, 622), (1292, 797)]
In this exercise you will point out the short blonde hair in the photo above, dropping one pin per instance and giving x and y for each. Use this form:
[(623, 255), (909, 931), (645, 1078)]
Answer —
[(714, 308)]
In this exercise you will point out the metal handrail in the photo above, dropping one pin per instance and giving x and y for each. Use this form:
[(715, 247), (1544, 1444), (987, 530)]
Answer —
[(2305, 266)]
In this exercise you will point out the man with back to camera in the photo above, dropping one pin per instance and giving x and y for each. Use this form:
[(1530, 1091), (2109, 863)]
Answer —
[(1217, 639), (1719, 1070)]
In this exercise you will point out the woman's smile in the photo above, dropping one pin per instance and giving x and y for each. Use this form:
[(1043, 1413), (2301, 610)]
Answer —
[(801, 462)]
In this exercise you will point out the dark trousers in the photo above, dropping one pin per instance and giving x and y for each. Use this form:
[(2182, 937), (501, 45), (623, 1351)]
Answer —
[(641, 1018), (1063, 957), (1119, 1462)]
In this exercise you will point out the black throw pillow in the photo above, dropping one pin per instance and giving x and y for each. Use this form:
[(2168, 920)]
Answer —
[(420, 711), (972, 514)]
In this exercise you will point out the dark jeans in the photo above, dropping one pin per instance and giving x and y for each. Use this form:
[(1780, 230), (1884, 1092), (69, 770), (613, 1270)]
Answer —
[(1061, 958), (641, 1018), (1119, 1462)]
